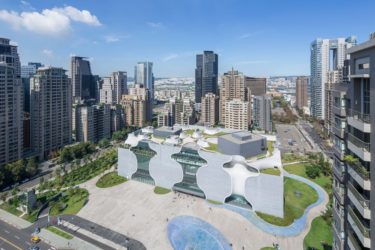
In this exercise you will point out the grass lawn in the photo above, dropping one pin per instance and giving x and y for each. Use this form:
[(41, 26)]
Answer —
[(10, 209), (271, 171), (212, 147), (189, 131), (285, 158), (320, 232), (109, 180), (267, 248), (270, 147), (71, 202), (161, 190), (215, 202), (298, 196), (300, 169), (214, 135), (60, 233)]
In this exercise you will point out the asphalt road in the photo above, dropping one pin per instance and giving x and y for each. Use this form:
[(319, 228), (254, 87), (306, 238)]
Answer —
[(286, 132), (13, 238)]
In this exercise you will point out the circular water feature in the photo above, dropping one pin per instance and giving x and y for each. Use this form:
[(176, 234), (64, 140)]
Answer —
[(191, 233)]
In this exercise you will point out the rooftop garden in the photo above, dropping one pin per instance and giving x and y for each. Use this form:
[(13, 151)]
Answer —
[(271, 171)]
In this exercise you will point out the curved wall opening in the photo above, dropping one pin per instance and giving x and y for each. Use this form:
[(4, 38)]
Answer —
[(144, 154), (239, 201)]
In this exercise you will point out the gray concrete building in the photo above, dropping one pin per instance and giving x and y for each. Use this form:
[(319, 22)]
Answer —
[(11, 104), (261, 113), (50, 111), (242, 143)]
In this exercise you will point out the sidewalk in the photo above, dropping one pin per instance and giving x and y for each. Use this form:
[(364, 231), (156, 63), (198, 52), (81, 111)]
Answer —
[(46, 235)]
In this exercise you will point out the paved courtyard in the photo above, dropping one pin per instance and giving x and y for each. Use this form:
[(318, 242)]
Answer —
[(133, 209)]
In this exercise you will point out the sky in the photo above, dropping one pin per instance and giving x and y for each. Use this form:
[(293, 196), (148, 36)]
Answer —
[(257, 37)]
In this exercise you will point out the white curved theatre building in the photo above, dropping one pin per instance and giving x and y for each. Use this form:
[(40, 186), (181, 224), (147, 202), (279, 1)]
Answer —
[(222, 165)]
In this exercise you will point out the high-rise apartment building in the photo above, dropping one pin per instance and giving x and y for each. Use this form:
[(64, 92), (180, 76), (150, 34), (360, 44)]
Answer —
[(84, 84), (92, 122), (11, 104), (206, 75), (28, 71), (256, 85), (50, 110), (113, 88), (184, 112), (136, 106), (233, 87), (353, 204), (326, 55), (237, 114), (210, 109), (301, 92), (333, 77), (261, 113)]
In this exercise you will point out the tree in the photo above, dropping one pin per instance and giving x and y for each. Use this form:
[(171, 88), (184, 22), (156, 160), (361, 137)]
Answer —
[(103, 143), (17, 170), (312, 171), (31, 167)]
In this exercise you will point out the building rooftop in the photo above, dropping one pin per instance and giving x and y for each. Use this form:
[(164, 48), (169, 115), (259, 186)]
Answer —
[(241, 137)]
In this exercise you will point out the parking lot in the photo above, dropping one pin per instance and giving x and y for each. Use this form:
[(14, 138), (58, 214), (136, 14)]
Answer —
[(291, 139)]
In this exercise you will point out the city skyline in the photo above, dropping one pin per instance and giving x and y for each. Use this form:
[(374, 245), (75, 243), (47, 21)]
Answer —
[(254, 44)]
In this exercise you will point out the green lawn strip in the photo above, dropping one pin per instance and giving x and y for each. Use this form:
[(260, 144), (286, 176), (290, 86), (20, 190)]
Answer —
[(70, 203), (32, 217), (267, 248), (214, 135), (161, 190), (109, 180), (59, 232), (289, 157), (320, 232), (271, 171), (212, 147), (297, 196), (10, 209), (189, 131), (215, 202), (300, 169), (270, 147)]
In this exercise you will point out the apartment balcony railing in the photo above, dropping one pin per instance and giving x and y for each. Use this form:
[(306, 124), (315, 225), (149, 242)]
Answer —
[(360, 170), (364, 230), (358, 115), (353, 241), (358, 142), (362, 200), (341, 111)]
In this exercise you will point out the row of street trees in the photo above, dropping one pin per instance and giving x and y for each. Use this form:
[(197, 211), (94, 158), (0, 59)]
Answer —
[(17, 171)]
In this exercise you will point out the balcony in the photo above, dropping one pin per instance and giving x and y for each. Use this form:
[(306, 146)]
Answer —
[(352, 242), (339, 152), (339, 172), (339, 194), (359, 201), (340, 132), (359, 120), (360, 174), (340, 111), (362, 232), (359, 147)]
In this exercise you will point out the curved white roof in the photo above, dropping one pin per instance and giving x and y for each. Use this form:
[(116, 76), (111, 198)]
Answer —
[(203, 143), (239, 174)]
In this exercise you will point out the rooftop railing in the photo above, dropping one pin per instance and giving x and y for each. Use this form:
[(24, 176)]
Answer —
[(358, 115)]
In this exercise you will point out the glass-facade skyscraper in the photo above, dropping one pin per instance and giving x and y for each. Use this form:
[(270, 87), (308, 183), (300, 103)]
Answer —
[(84, 84), (206, 75)]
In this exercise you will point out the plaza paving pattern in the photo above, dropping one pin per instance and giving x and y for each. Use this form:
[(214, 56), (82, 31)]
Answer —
[(133, 209)]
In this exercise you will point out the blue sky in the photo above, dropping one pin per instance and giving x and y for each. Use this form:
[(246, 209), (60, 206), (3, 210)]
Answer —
[(257, 37)]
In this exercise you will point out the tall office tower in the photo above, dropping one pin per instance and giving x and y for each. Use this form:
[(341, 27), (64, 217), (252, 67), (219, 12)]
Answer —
[(262, 118), (353, 204), (256, 85), (301, 92), (206, 75), (50, 110), (144, 77), (84, 84), (210, 109), (333, 77), (326, 55), (92, 122), (233, 87), (237, 114), (11, 104), (113, 88)]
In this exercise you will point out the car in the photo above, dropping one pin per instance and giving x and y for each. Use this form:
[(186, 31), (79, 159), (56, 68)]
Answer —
[(35, 239), (34, 248)]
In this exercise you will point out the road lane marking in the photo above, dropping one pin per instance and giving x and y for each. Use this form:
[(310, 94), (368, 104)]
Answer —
[(28, 243), (6, 231), (18, 238), (7, 241)]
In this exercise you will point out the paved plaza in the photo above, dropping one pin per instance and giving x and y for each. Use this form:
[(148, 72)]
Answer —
[(133, 209)]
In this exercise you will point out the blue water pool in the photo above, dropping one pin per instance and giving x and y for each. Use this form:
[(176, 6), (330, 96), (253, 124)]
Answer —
[(191, 233)]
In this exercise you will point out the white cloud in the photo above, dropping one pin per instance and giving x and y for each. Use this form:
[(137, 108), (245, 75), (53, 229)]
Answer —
[(156, 25), (27, 5), (170, 57), (56, 21), (47, 52)]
